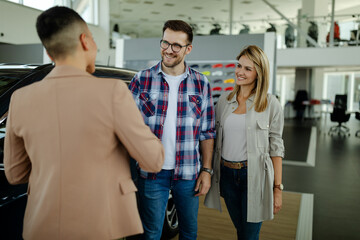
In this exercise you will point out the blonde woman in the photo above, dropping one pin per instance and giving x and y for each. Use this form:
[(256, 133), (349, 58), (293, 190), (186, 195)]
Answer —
[(249, 147)]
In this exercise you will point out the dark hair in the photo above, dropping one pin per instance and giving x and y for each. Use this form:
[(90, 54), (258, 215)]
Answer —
[(179, 25), (56, 21)]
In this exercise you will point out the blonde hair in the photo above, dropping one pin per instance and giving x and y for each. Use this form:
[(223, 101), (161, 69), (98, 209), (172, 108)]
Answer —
[(261, 63)]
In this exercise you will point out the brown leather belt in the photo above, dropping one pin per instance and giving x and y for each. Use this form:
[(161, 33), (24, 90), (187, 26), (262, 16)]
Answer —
[(234, 165)]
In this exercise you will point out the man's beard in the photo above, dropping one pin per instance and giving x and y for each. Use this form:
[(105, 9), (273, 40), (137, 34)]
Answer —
[(177, 62)]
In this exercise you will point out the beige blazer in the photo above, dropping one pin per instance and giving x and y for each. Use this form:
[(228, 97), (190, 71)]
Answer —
[(264, 140), (70, 136)]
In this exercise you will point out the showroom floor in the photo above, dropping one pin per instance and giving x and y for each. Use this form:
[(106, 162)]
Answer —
[(334, 181), (331, 177)]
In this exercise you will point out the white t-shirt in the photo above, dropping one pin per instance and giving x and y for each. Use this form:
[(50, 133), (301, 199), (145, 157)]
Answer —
[(169, 131)]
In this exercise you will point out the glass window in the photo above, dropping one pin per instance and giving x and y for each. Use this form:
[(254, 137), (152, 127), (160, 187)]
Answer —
[(88, 9), (357, 92), (343, 83), (42, 4)]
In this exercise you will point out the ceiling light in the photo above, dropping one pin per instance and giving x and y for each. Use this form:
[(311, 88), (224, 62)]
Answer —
[(132, 1), (148, 2), (155, 13), (197, 8), (169, 4), (246, 2)]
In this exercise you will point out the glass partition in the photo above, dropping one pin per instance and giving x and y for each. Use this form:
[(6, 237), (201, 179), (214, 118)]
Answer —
[(88, 9)]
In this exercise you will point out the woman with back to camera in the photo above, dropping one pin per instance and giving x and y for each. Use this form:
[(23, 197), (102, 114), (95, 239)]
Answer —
[(249, 147)]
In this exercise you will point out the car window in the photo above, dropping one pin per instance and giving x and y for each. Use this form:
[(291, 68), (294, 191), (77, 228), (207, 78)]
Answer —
[(9, 77)]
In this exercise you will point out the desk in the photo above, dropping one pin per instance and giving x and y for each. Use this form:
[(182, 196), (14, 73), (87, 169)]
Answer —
[(314, 102)]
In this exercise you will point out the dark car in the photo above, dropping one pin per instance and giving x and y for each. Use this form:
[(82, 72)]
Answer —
[(13, 197)]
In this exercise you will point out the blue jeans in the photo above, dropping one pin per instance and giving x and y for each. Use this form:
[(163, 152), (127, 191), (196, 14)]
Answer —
[(153, 197), (233, 187)]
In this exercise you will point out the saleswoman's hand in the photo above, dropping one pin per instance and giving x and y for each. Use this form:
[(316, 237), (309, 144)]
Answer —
[(277, 200)]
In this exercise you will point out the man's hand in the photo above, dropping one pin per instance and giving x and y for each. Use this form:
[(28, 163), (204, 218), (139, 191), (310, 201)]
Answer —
[(203, 183)]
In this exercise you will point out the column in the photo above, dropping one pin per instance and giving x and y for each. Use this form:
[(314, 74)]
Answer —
[(310, 9)]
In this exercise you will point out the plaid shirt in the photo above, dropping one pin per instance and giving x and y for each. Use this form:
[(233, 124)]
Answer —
[(195, 115)]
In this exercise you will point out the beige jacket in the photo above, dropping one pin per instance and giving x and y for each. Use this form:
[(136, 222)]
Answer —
[(69, 136), (264, 139)]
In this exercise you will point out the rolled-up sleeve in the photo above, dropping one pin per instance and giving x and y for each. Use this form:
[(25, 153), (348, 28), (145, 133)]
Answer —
[(208, 115), (277, 148)]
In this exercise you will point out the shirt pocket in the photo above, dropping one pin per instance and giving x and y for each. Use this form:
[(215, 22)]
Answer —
[(195, 102), (262, 133), (148, 103)]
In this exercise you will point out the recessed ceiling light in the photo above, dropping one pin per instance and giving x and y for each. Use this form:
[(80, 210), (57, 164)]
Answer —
[(148, 2), (116, 16), (155, 13), (246, 2), (169, 4), (132, 1), (144, 19), (197, 8)]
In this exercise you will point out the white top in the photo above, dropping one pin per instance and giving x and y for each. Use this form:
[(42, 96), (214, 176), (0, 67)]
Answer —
[(169, 131), (234, 138)]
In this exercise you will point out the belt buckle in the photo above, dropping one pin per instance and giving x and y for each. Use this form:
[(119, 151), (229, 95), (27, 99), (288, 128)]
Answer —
[(239, 164)]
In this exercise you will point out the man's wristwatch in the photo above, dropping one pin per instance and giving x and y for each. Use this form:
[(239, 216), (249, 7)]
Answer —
[(208, 170), (280, 186)]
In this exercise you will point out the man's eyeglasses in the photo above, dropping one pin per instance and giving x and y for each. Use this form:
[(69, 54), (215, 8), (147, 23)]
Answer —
[(175, 47)]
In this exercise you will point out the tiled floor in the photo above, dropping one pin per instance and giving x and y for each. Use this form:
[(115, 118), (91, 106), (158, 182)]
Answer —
[(334, 181)]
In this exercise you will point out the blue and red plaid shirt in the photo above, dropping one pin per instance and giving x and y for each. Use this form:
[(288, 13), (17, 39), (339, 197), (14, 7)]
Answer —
[(195, 115)]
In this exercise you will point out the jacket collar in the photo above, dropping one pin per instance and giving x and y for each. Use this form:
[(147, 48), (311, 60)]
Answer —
[(67, 71)]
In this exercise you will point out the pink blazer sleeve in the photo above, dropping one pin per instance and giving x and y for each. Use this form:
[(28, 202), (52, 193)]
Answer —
[(16, 160), (137, 137)]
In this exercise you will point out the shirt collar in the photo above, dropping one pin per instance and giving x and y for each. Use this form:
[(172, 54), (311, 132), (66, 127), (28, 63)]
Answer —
[(158, 69), (233, 99)]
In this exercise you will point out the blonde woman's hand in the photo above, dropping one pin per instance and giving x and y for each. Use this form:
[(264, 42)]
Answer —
[(277, 200)]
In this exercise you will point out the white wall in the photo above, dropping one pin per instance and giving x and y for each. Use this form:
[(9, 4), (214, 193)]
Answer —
[(18, 26), (318, 57), (18, 23)]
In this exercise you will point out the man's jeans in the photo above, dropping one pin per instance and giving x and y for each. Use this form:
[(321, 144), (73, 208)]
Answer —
[(153, 197), (233, 187)]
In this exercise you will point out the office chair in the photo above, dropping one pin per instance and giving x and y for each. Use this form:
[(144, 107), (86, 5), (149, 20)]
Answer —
[(340, 116), (357, 116)]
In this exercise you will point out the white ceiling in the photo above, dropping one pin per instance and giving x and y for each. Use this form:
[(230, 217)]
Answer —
[(145, 18)]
